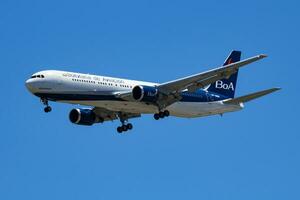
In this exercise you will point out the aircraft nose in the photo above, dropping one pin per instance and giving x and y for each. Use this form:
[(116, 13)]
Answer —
[(30, 85)]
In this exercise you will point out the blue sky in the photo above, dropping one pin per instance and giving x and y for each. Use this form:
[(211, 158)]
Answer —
[(252, 154)]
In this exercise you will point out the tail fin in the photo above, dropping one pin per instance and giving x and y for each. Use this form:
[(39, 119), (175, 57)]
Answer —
[(226, 87)]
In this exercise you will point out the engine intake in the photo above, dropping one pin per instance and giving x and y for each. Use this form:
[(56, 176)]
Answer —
[(83, 117), (145, 93)]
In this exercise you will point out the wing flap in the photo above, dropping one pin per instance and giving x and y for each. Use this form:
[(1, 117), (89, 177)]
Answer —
[(250, 97)]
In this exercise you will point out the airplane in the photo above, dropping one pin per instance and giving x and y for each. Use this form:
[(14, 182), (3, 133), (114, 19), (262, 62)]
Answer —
[(208, 93)]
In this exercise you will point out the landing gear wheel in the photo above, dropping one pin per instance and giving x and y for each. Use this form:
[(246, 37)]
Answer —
[(45, 102), (129, 126), (119, 129), (47, 109), (156, 116), (125, 125), (166, 113), (124, 128), (161, 114)]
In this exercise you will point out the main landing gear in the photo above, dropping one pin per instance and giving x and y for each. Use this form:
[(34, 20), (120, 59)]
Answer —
[(45, 102), (125, 125), (161, 115)]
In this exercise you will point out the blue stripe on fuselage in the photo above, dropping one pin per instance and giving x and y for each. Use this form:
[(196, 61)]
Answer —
[(77, 97), (198, 96)]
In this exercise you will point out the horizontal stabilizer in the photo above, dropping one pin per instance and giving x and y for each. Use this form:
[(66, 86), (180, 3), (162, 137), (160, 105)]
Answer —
[(250, 97)]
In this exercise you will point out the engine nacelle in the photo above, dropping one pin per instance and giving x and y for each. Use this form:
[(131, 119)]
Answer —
[(83, 117), (145, 93)]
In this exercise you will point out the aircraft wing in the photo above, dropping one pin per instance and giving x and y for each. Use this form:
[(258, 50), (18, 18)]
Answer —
[(109, 115), (201, 80)]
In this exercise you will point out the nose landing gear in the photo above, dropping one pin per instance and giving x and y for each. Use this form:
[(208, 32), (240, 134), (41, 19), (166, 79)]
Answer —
[(45, 102)]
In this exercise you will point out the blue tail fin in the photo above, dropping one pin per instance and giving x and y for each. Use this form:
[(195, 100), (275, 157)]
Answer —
[(226, 87)]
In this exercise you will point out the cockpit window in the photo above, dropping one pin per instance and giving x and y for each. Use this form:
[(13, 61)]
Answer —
[(38, 76)]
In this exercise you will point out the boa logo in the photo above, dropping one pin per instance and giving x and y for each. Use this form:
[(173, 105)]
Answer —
[(225, 86), (151, 93)]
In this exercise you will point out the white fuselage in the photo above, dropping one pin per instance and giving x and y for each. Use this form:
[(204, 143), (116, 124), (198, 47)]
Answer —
[(61, 83)]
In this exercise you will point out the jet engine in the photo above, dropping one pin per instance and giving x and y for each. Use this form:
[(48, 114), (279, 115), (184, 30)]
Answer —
[(83, 117), (145, 93)]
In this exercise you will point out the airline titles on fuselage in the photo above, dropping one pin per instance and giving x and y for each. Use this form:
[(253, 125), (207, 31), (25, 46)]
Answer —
[(94, 78)]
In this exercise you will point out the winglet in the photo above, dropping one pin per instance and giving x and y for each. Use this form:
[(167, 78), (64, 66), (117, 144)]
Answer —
[(250, 97), (263, 55)]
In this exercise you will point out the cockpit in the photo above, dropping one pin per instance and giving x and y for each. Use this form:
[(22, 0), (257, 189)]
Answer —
[(38, 76)]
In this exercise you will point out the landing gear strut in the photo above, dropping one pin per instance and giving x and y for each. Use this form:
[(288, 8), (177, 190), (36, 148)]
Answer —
[(45, 102), (161, 115)]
